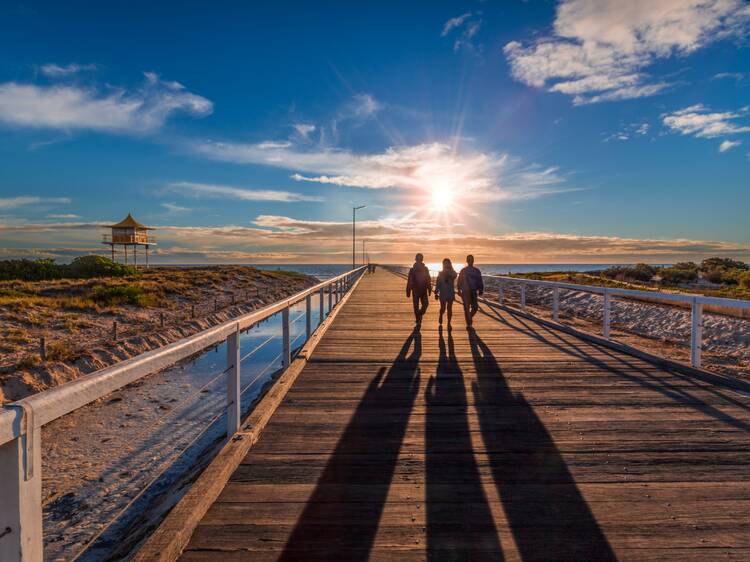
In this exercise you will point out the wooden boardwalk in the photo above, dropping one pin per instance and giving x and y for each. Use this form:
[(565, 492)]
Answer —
[(516, 443)]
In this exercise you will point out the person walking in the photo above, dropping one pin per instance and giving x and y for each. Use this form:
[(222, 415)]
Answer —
[(470, 287), (445, 291), (419, 287)]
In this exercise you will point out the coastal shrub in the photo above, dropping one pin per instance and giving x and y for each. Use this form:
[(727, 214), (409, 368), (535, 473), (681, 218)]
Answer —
[(640, 272), (87, 267), (29, 270), (112, 295), (712, 264), (683, 272), (83, 267), (745, 280)]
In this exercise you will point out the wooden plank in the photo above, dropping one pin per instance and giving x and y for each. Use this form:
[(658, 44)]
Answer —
[(517, 443)]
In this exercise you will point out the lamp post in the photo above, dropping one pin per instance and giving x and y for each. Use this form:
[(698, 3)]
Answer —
[(354, 234)]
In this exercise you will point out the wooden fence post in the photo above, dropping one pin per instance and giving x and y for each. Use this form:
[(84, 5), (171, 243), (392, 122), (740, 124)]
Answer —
[(114, 330)]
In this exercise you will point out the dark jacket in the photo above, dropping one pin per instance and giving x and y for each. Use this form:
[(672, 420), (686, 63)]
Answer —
[(419, 281), (470, 279)]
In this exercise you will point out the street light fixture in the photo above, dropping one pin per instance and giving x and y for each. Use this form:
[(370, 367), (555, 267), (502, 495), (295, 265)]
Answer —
[(354, 234)]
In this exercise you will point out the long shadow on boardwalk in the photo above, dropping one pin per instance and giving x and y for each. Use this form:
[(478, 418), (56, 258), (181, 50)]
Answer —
[(341, 517), (459, 520), (548, 516)]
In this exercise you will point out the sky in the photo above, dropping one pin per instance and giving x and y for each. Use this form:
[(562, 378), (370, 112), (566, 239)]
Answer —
[(570, 131)]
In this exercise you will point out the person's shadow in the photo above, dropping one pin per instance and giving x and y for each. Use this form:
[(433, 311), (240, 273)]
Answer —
[(548, 516), (459, 520), (342, 515)]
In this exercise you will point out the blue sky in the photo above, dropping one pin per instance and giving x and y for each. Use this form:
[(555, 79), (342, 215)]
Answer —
[(571, 131)]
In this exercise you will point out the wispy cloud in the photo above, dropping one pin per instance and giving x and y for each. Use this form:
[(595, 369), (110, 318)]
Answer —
[(56, 71), (464, 28), (116, 110), (365, 106), (728, 145), (282, 238), (700, 121), (478, 176), (175, 209), (63, 216), (454, 23), (225, 191), (7, 203), (630, 131), (304, 129), (600, 48), (738, 76)]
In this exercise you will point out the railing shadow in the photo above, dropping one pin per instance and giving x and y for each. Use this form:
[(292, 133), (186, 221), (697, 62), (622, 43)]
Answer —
[(629, 370), (341, 517), (546, 511), (459, 520)]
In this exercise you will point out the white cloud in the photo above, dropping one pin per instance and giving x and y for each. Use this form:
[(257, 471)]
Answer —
[(226, 191), (422, 168), (104, 109), (25, 200), (728, 145), (600, 48), (700, 121), (57, 71)]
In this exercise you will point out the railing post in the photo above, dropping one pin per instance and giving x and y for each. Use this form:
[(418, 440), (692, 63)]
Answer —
[(696, 334), (321, 306), (605, 320), (523, 296), (286, 356), (556, 304), (233, 382), (330, 297), (308, 320), (21, 493)]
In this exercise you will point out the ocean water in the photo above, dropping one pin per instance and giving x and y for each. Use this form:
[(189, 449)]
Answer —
[(326, 271)]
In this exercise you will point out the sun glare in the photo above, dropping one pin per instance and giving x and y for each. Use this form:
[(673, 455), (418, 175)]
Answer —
[(442, 199)]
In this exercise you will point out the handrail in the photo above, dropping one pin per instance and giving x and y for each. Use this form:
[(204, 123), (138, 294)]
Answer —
[(696, 303), (21, 421), (615, 291), (51, 404)]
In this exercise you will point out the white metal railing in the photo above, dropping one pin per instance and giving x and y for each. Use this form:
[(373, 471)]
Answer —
[(696, 303), (21, 536)]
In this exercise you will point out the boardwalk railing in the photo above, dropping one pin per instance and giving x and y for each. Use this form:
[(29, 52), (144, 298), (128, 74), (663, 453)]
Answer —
[(21, 536), (502, 283)]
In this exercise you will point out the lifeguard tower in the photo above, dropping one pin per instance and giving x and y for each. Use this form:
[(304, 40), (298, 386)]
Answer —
[(129, 232)]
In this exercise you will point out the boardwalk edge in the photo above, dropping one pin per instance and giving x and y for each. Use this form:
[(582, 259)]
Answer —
[(169, 539)]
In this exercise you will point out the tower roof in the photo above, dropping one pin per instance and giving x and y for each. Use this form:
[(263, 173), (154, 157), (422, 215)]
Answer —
[(130, 222)]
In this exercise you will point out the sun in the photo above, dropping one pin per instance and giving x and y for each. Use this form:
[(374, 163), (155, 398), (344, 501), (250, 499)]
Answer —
[(442, 198)]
